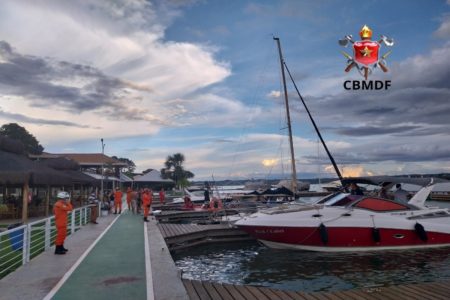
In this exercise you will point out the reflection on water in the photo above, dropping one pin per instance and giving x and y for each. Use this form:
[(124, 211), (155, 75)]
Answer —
[(251, 263)]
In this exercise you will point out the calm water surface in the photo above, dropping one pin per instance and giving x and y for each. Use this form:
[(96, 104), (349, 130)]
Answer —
[(252, 263)]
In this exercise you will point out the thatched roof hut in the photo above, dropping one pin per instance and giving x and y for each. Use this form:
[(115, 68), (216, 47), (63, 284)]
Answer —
[(70, 168)]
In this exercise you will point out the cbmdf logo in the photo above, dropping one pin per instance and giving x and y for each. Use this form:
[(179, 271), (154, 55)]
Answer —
[(366, 57)]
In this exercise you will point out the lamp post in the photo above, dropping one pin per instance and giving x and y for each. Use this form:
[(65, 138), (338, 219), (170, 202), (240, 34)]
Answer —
[(103, 152)]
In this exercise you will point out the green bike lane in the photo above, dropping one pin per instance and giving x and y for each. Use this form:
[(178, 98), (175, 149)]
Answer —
[(115, 268)]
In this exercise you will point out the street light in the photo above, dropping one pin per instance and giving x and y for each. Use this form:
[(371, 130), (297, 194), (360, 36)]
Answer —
[(103, 152)]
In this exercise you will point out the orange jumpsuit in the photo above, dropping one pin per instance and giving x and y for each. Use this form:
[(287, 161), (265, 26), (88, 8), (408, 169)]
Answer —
[(60, 210), (129, 197), (147, 199), (162, 197), (118, 201)]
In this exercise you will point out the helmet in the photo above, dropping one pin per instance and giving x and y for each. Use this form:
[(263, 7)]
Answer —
[(63, 195)]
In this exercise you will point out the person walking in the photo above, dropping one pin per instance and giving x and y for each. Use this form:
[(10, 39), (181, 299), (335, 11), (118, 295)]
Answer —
[(162, 196), (60, 210), (147, 199), (118, 200), (129, 198)]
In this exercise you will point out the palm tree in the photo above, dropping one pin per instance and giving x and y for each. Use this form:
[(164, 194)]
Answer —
[(174, 170)]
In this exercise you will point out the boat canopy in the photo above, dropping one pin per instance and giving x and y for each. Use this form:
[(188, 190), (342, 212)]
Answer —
[(383, 180)]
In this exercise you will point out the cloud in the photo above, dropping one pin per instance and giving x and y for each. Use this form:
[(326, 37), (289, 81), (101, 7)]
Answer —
[(23, 118), (103, 61)]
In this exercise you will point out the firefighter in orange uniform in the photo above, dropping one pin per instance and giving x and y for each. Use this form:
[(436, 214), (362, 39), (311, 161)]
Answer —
[(60, 210), (162, 196), (147, 199), (118, 200), (129, 197)]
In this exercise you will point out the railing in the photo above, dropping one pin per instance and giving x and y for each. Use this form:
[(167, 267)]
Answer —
[(20, 244)]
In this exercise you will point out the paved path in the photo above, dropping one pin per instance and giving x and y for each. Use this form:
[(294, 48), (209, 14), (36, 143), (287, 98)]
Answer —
[(114, 268), (120, 258)]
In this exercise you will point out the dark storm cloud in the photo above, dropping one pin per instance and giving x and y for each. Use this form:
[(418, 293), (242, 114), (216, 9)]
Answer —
[(43, 82), (23, 118), (372, 130), (408, 123)]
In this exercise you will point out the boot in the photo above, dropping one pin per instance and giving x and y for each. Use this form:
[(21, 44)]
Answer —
[(64, 249), (115, 212), (145, 219), (59, 250)]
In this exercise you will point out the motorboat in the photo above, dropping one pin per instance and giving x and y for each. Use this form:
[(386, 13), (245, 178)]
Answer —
[(346, 222), (301, 185)]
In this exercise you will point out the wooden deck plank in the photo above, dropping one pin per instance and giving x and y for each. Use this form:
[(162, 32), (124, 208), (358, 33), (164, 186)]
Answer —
[(294, 295), (386, 293), (269, 293), (443, 288), (342, 296), (324, 296), (200, 289), (211, 290), (223, 291), (190, 290), (257, 293), (282, 294), (245, 292), (307, 296), (234, 291), (358, 294), (410, 293), (423, 291), (432, 290)]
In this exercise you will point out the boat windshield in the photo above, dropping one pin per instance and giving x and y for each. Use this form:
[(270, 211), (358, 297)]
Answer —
[(340, 199)]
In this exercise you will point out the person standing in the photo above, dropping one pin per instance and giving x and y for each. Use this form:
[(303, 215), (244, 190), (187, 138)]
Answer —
[(147, 199), (93, 204), (60, 210), (129, 197), (206, 195), (118, 200), (400, 195), (162, 196)]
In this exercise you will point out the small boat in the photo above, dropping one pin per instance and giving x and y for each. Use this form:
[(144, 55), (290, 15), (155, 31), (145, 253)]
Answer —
[(345, 222), (301, 185)]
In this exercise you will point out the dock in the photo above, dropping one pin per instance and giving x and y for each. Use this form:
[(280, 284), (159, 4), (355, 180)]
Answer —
[(188, 216), (203, 290), (125, 258), (181, 236)]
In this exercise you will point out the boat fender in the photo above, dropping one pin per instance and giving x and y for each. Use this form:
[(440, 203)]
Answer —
[(376, 236), (420, 230), (323, 233)]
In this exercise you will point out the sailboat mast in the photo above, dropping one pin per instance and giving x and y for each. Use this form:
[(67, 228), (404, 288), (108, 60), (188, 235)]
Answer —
[(286, 102)]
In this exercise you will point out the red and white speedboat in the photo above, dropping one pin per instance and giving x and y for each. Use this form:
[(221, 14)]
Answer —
[(344, 222)]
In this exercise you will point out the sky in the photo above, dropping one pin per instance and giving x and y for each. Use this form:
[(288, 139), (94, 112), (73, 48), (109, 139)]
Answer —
[(202, 78)]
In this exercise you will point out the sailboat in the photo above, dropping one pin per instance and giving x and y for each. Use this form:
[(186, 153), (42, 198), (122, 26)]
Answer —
[(345, 222)]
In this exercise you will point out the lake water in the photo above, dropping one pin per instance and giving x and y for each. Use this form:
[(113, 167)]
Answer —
[(252, 263)]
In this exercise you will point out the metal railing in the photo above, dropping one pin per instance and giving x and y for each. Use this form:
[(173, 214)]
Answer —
[(22, 243)]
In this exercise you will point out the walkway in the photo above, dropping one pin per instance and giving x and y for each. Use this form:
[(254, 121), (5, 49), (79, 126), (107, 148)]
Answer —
[(114, 268)]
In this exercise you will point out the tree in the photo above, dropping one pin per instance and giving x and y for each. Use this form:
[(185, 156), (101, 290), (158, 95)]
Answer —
[(174, 170), (129, 169), (17, 132)]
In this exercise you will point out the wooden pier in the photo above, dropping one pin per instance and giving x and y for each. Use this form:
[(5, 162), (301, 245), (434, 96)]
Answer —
[(204, 290), (180, 236), (187, 216)]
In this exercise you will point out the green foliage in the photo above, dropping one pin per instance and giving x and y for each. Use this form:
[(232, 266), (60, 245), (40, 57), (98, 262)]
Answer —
[(17, 132), (174, 170), (130, 164)]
